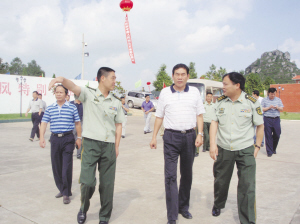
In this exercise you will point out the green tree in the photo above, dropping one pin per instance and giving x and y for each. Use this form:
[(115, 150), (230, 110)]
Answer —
[(253, 82), (119, 89), (33, 69), (16, 66), (162, 77), (53, 76), (4, 67), (214, 74), (193, 73), (267, 82)]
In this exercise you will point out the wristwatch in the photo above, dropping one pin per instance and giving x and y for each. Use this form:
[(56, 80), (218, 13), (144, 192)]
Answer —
[(200, 133), (256, 146)]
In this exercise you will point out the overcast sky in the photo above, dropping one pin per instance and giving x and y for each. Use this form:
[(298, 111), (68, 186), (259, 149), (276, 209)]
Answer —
[(228, 33)]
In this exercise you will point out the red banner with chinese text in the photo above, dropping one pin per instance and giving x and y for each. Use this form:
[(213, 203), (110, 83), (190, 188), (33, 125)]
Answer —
[(128, 38)]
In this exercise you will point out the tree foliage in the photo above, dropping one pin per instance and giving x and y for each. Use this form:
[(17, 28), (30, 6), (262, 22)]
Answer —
[(119, 89), (193, 73), (267, 82), (214, 74), (53, 76), (162, 77), (253, 82), (16, 67), (4, 67)]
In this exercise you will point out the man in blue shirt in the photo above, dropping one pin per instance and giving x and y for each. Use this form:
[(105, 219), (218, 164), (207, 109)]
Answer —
[(61, 116), (79, 107), (147, 108), (272, 106)]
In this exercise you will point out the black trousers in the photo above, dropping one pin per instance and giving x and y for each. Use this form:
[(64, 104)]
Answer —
[(175, 145), (62, 162), (41, 117), (35, 118), (272, 133)]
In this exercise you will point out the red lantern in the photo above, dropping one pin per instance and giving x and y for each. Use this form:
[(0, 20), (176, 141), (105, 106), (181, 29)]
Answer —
[(126, 5), (148, 83)]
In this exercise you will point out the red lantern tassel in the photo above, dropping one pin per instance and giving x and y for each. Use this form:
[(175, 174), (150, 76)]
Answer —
[(128, 38)]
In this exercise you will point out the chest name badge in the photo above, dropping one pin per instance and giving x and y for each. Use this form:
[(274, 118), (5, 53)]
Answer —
[(221, 110), (246, 110), (113, 108)]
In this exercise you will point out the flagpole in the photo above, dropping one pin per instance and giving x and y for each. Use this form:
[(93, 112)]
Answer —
[(82, 72)]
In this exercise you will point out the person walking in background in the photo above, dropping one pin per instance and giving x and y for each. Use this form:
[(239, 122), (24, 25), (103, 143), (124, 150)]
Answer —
[(79, 107), (62, 115), (207, 118), (125, 108), (40, 96), (147, 107), (68, 98), (272, 106), (255, 94), (36, 107), (180, 107), (233, 119)]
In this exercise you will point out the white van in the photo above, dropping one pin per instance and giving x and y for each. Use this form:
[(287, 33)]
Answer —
[(205, 85)]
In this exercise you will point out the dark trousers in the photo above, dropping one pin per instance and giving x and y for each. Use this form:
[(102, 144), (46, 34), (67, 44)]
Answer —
[(102, 154), (246, 166), (206, 143), (175, 145), (35, 118), (272, 133), (62, 162), (41, 117)]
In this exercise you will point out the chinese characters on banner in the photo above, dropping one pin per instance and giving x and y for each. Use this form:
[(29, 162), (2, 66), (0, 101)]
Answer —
[(128, 38), (42, 89), (71, 93), (25, 89), (4, 88)]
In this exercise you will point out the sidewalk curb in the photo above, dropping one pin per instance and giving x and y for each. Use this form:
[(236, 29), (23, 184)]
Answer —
[(14, 120)]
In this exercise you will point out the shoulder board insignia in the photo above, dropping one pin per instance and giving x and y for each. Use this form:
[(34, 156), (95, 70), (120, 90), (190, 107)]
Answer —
[(116, 97), (91, 88), (252, 99), (221, 98)]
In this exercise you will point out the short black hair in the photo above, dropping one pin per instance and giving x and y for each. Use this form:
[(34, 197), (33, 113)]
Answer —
[(236, 78), (181, 66), (39, 94), (66, 90), (104, 71), (147, 95), (35, 92), (209, 93), (256, 92), (122, 97), (272, 90)]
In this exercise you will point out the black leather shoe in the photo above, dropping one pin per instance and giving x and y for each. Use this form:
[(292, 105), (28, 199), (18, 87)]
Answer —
[(171, 222), (145, 132), (81, 217), (275, 152), (59, 195), (186, 214), (103, 222), (216, 211), (66, 200), (197, 154), (269, 155)]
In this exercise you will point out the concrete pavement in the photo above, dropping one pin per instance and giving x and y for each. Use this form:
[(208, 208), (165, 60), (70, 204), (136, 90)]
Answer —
[(27, 187)]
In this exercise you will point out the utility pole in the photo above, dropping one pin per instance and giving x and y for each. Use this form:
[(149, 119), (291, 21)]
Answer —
[(82, 72)]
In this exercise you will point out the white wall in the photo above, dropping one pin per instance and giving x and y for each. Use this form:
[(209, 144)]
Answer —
[(10, 92)]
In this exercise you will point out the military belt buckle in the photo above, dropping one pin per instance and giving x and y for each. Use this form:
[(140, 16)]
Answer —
[(60, 135), (183, 132)]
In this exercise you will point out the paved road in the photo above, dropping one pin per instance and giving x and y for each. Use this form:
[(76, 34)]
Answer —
[(27, 187)]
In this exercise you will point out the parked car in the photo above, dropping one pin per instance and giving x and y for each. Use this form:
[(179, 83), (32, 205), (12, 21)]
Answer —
[(135, 99)]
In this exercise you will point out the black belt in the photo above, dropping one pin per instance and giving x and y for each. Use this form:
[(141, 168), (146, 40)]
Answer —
[(273, 117), (182, 132), (62, 134)]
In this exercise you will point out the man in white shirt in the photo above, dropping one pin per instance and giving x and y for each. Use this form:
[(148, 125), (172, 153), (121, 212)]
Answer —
[(180, 107), (40, 96), (255, 94), (36, 107)]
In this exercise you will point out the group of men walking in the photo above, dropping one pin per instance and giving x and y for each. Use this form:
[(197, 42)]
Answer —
[(231, 120)]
